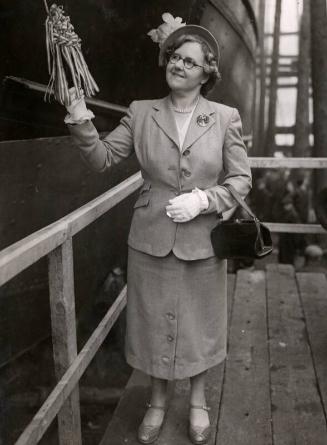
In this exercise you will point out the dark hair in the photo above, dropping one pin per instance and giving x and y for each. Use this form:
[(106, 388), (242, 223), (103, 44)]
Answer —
[(211, 62)]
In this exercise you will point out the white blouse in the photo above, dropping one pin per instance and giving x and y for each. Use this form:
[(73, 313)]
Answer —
[(183, 121)]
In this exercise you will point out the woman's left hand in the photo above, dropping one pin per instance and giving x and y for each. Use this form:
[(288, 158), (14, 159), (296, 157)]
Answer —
[(185, 207)]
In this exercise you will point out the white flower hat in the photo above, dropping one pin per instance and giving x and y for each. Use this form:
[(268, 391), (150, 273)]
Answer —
[(172, 28)]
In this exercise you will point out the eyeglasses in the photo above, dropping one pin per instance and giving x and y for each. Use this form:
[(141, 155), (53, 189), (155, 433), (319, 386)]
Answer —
[(187, 61)]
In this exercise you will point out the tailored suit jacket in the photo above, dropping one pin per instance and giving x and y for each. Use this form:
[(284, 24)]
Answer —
[(212, 156)]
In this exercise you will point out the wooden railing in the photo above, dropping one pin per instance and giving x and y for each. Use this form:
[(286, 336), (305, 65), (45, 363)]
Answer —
[(55, 241)]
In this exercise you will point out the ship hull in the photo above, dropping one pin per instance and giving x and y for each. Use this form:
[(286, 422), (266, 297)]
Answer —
[(43, 177)]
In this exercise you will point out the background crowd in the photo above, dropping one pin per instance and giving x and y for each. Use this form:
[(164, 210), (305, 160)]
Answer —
[(281, 196)]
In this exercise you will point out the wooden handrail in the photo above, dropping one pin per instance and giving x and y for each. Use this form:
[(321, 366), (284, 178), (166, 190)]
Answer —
[(307, 163), (295, 228), (17, 257), (50, 408)]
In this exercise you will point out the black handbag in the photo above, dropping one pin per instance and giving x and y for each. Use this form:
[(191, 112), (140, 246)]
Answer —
[(241, 238)]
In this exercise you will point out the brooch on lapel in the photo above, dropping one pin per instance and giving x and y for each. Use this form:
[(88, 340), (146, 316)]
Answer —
[(202, 120)]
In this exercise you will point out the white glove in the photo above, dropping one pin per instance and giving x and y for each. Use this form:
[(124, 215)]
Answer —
[(77, 111), (185, 207)]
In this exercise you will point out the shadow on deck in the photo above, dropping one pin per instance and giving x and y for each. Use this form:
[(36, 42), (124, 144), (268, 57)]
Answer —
[(272, 389)]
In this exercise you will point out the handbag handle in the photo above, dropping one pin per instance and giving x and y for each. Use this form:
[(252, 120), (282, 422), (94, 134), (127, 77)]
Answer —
[(243, 204), (240, 201)]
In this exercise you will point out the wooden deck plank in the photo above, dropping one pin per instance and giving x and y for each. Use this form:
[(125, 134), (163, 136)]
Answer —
[(297, 412), (245, 411), (249, 405), (176, 424), (313, 293), (128, 415)]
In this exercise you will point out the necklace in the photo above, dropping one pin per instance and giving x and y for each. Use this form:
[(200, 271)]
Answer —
[(186, 109)]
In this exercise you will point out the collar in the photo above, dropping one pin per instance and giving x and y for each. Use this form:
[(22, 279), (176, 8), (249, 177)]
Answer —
[(164, 117)]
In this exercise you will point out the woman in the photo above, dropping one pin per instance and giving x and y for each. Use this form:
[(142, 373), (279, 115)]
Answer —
[(176, 309)]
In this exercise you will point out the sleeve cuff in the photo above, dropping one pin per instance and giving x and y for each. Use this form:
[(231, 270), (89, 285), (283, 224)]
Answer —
[(69, 119), (204, 202)]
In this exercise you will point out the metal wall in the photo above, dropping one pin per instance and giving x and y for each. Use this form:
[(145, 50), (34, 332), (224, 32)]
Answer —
[(121, 56), (44, 179)]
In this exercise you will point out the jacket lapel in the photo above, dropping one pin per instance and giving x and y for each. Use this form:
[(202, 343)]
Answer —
[(164, 117), (202, 119)]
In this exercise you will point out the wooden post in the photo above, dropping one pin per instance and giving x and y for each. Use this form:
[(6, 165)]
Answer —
[(270, 138), (302, 130), (259, 143), (63, 320), (319, 85), (2, 414)]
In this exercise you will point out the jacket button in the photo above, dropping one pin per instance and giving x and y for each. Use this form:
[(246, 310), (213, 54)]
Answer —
[(186, 173), (170, 316), (170, 338), (186, 152), (165, 359)]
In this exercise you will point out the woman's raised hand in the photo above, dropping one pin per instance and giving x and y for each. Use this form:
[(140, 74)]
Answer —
[(77, 109)]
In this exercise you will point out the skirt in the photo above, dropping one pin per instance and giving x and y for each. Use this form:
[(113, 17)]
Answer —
[(176, 314)]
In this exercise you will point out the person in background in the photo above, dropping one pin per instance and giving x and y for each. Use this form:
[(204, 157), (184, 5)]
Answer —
[(313, 259), (288, 244), (261, 198)]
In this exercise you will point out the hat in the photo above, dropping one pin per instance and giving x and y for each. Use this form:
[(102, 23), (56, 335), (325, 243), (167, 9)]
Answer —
[(172, 28)]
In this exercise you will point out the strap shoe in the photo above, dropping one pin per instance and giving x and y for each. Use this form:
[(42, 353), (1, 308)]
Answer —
[(199, 435), (150, 433)]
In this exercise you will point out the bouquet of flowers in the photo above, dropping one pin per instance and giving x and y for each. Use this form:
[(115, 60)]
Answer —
[(64, 47)]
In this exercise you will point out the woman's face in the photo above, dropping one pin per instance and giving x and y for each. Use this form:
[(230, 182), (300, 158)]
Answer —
[(181, 79)]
